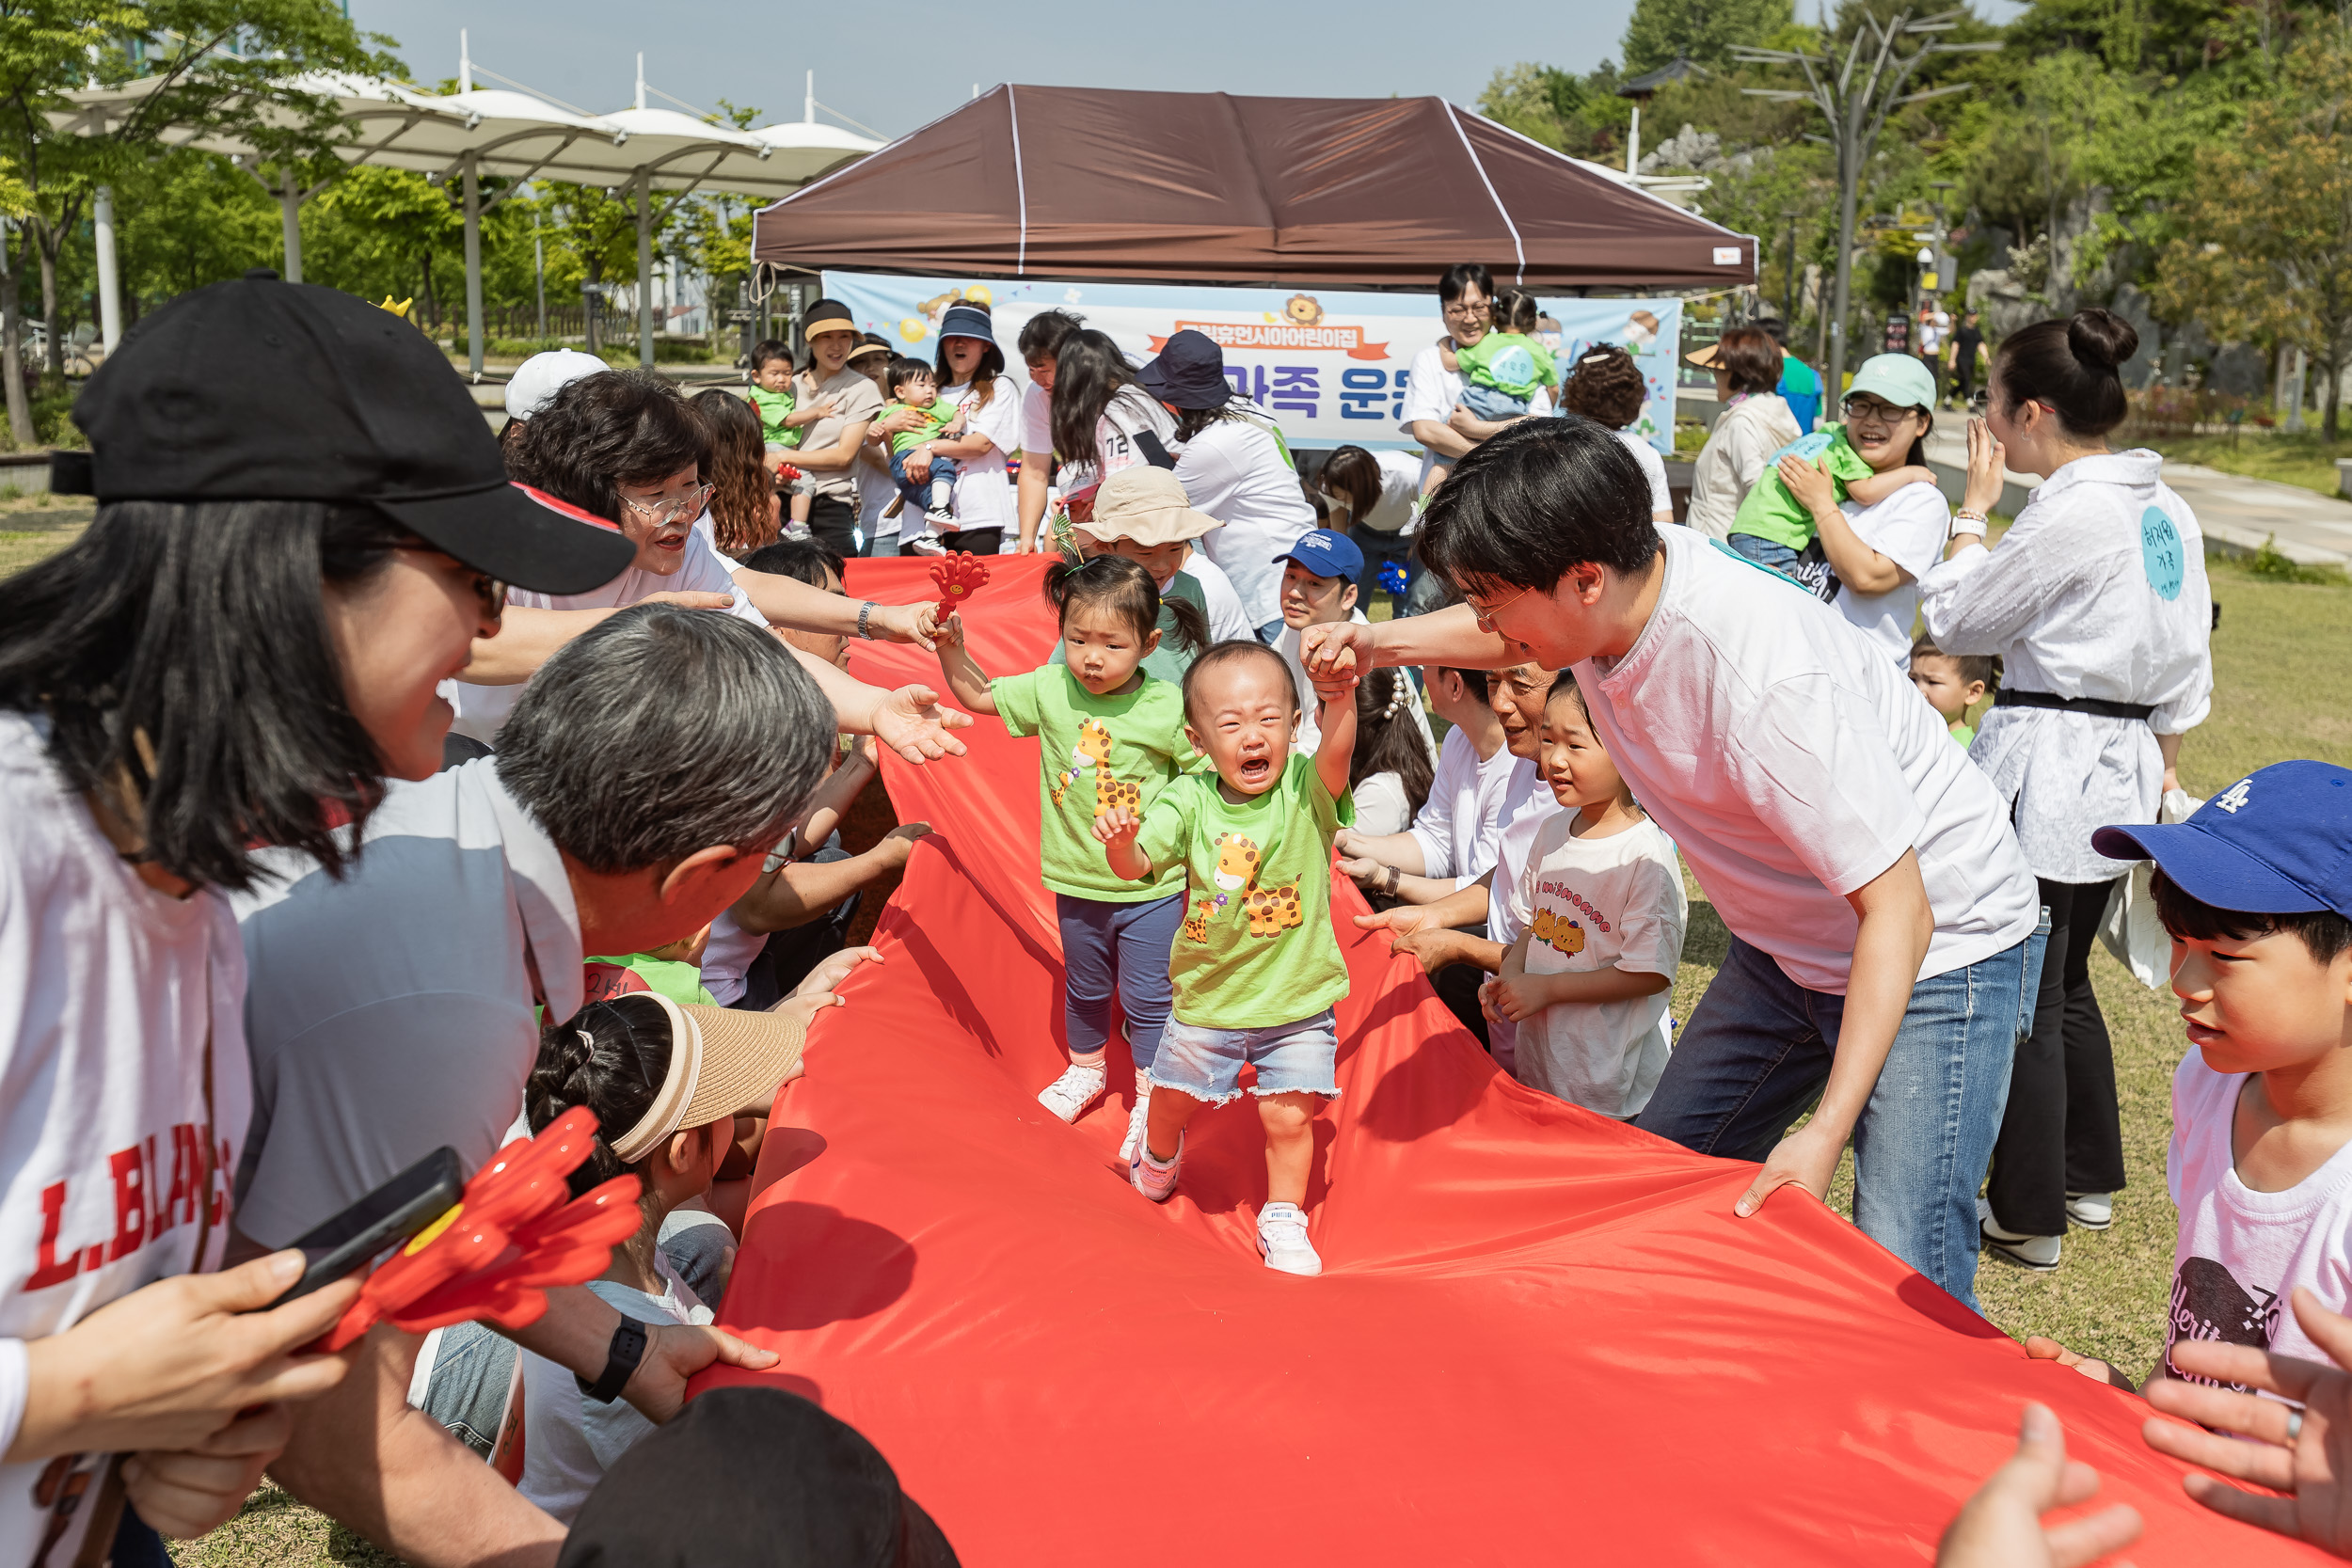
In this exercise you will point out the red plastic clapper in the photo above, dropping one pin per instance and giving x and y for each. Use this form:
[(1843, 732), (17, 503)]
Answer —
[(959, 576)]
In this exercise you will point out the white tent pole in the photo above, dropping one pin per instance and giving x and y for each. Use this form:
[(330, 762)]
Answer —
[(473, 263), (645, 266), (641, 78), (1633, 140), (808, 104), (109, 283), (290, 209), (465, 63)]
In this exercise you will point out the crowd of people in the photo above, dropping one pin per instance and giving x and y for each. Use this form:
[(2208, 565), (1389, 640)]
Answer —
[(375, 785)]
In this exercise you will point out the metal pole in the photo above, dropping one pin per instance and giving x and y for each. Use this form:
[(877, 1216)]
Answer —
[(109, 282), (539, 266), (473, 264), (1633, 141), (290, 210), (1788, 282), (645, 266), (1848, 174)]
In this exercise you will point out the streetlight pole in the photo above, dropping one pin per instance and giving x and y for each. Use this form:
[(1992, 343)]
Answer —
[(1788, 277), (1856, 98)]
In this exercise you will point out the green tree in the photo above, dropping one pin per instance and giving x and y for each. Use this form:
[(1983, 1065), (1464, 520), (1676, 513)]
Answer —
[(1706, 30), (2263, 242)]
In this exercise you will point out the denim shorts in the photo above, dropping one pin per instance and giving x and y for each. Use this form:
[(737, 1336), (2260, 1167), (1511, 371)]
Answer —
[(1291, 1058)]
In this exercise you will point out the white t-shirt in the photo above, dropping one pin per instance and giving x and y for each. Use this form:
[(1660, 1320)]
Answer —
[(1653, 466), (875, 492), (1132, 411), (983, 494), (1227, 619), (569, 1440), (1037, 419), (1463, 816), (1599, 903), (1526, 806), (1792, 762), (1382, 807), (2240, 1254), (1431, 391), (108, 989), (482, 710), (1908, 527), (727, 955), (1235, 471), (1400, 483)]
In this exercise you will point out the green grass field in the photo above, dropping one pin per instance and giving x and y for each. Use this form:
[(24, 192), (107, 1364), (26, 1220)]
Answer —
[(2280, 659), (2301, 459)]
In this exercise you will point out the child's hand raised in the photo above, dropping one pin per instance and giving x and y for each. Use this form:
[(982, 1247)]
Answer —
[(1117, 829), (947, 633)]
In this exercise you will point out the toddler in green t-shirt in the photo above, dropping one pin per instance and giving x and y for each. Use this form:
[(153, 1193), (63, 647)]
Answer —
[(782, 420), (1098, 714), (1503, 369), (915, 389), (1255, 968)]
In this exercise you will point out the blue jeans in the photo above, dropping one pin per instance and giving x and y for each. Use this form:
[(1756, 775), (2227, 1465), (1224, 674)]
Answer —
[(1758, 1048), (1491, 402), (1291, 1058), (918, 496), (1121, 946), (1765, 552)]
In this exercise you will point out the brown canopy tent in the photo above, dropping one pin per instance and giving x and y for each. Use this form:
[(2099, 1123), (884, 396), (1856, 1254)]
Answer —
[(1204, 188)]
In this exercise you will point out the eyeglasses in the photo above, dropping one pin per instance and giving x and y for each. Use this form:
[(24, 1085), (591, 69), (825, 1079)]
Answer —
[(1873, 410), (1465, 310), (491, 591), (1485, 617), (662, 514)]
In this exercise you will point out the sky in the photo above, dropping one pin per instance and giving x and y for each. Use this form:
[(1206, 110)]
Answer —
[(895, 68)]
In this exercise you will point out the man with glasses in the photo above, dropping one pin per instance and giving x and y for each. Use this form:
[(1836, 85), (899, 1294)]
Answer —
[(1886, 932), (1466, 294)]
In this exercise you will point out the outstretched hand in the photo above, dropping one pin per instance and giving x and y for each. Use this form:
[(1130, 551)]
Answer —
[(2310, 1462), (1337, 650), (2002, 1526), (905, 622), (1807, 1158), (910, 722)]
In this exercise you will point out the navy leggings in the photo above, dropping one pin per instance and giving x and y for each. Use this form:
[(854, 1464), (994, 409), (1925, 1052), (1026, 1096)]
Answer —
[(1121, 946)]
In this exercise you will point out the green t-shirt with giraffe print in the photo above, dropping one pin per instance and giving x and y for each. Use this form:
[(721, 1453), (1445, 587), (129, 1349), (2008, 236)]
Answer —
[(1256, 948), (1095, 753)]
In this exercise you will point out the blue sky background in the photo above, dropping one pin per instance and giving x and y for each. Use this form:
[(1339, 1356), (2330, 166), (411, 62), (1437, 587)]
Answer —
[(898, 66)]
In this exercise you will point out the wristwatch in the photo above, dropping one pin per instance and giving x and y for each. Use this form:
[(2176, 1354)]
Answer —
[(620, 1363), (864, 611), (1967, 522)]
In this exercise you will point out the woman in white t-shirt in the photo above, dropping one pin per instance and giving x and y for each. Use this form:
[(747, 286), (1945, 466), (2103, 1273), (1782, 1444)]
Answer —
[(1605, 384), (971, 375), (1369, 496), (1233, 465), (1391, 771), (869, 479), (1103, 421), (199, 673), (1878, 553)]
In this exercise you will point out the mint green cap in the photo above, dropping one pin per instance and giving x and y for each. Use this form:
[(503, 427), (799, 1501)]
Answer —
[(1898, 378)]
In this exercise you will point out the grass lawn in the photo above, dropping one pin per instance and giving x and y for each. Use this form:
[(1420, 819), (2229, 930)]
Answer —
[(2303, 459), (2278, 660)]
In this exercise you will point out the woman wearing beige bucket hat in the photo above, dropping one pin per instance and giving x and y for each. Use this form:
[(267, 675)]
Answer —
[(1142, 512), (666, 1083)]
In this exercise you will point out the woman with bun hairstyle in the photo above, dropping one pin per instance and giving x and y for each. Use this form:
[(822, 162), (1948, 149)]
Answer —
[(1607, 387), (2095, 601)]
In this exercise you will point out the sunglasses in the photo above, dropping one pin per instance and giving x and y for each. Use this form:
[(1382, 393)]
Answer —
[(662, 514), (486, 588)]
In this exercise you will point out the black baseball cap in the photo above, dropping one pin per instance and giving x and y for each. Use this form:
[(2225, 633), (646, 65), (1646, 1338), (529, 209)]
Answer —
[(258, 389), (1189, 373), (749, 1477)]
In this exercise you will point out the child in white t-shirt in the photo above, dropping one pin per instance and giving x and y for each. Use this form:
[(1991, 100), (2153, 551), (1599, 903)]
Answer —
[(1602, 913), (2256, 892)]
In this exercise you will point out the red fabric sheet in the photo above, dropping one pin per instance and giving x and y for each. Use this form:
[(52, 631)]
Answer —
[(1539, 1335)]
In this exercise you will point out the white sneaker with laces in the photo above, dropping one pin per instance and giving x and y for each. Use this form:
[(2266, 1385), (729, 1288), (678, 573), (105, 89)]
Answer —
[(926, 542), (1148, 1176), (1138, 1117), (1282, 1238), (2090, 1210), (1079, 1086), (2038, 1253)]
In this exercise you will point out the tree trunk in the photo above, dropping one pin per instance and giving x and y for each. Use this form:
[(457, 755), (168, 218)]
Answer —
[(432, 305), (45, 246), (11, 360), (2335, 398)]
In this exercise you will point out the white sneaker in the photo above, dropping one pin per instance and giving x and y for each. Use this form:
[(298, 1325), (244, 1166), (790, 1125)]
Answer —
[(1152, 1179), (2038, 1253), (1136, 1117), (1078, 1088), (927, 542), (2090, 1210), (1282, 1238)]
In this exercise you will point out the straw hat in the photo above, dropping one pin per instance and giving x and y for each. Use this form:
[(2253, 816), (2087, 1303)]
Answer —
[(721, 1061), (1147, 505)]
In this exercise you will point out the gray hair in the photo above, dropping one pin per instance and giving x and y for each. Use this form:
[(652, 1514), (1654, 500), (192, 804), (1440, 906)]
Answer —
[(664, 729)]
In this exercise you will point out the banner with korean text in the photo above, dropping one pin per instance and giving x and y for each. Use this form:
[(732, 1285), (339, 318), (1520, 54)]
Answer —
[(1331, 366)]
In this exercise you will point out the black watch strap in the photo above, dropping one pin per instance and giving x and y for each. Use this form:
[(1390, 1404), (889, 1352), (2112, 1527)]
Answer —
[(620, 1363)]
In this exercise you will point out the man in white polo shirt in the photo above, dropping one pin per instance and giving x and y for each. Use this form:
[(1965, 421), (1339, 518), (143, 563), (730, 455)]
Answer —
[(1886, 932)]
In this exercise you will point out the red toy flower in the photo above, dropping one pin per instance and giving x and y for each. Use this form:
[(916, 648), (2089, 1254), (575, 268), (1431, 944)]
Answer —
[(510, 1238), (959, 576), (787, 473)]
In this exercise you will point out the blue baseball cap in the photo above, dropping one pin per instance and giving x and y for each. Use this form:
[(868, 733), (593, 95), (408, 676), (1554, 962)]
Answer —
[(967, 321), (1326, 555), (2277, 841)]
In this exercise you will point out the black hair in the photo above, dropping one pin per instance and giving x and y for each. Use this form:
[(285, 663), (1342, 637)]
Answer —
[(1192, 421), (1124, 586), (1089, 371), (743, 492), (1226, 652), (2070, 365), (984, 375), (1545, 494), (904, 368), (1772, 327), (835, 310), (1564, 684), (1459, 277), (802, 560), (1972, 667), (768, 350), (1042, 334), (602, 432), (1391, 743), (2185, 917), (611, 1057), (1354, 473), (1515, 310), (180, 655), (1472, 680)]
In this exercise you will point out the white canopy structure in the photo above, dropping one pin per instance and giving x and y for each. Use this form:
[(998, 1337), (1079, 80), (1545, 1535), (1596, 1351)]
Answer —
[(477, 133)]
